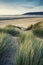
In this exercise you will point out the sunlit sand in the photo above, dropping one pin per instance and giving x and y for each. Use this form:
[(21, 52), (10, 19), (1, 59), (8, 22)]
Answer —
[(20, 22)]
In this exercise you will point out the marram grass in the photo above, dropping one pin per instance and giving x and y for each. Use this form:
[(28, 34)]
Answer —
[(10, 30), (38, 29), (5, 41), (30, 51)]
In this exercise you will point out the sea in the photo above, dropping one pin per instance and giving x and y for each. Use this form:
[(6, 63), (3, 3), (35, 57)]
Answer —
[(12, 17)]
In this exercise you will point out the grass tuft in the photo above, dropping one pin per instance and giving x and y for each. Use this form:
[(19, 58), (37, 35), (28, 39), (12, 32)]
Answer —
[(5, 40), (10, 30), (38, 29), (30, 51)]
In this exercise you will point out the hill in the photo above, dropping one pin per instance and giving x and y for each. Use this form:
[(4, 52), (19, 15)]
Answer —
[(33, 13)]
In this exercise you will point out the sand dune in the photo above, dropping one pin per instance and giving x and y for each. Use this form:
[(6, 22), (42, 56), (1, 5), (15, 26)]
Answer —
[(20, 22)]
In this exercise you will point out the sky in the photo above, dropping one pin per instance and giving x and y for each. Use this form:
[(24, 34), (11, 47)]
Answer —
[(17, 7)]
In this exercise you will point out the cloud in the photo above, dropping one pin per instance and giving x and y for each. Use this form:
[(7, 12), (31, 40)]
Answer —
[(9, 10), (13, 9), (35, 2)]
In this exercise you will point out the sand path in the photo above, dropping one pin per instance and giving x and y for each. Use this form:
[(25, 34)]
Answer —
[(8, 55)]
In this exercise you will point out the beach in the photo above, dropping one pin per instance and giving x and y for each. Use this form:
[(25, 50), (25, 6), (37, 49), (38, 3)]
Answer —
[(24, 22)]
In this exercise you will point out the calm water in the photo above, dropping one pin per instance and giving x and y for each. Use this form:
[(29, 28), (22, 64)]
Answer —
[(9, 17)]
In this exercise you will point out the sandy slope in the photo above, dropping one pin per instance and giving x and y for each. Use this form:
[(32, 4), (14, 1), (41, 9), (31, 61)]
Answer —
[(20, 22)]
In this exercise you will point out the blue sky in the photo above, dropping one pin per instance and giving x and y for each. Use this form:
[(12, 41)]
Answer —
[(15, 7)]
